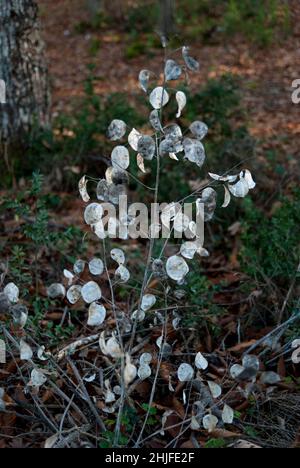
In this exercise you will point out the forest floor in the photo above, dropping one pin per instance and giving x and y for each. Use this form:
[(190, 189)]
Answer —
[(266, 74)]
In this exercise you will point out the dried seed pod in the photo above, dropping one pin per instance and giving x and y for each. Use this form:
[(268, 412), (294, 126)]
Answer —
[(79, 267), (93, 213), (159, 97), (83, 189), (227, 415), (74, 294), (96, 266), (123, 274), (181, 101), (38, 378), (26, 352), (20, 315), (173, 70), (209, 200), (146, 147), (56, 290), (177, 268), (215, 389), (103, 190), (190, 62), (210, 422), (144, 78), (194, 151), (12, 292), (144, 372), (148, 301), (199, 129), (185, 373), (97, 315), (133, 139), (120, 157), (155, 121), (5, 304), (91, 292), (116, 130), (119, 177), (118, 256), (200, 362)]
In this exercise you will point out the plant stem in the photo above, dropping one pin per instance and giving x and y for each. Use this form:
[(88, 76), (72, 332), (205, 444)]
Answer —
[(150, 253), (160, 358), (123, 394), (152, 240)]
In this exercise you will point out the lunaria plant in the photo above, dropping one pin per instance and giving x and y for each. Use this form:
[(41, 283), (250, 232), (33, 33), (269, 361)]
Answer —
[(134, 339), (121, 333), (10, 304)]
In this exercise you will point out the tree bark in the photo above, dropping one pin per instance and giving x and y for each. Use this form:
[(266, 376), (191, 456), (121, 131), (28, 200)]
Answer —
[(23, 69), (167, 25)]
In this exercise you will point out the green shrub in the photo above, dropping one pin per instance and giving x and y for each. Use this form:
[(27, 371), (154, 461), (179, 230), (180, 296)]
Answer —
[(77, 137), (217, 103), (142, 17), (37, 234), (270, 254), (215, 444), (200, 292), (273, 250), (258, 20)]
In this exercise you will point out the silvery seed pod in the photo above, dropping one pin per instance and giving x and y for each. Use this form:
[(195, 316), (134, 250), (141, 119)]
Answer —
[(5, 304)]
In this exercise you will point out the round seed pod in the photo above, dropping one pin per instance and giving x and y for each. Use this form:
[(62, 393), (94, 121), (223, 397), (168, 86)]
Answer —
[(5, 304)]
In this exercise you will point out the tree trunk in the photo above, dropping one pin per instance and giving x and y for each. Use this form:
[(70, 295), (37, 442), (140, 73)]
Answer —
[(167, 19), (23, 70)]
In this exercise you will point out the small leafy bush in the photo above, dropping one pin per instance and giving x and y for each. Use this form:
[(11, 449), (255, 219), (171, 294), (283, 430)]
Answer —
[(171, 271), (273, 250), (38, 234), (131, 319), (76, 138), (259, 20)]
